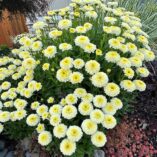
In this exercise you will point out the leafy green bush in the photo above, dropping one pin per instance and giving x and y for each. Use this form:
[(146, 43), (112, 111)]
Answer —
[(4, 50)]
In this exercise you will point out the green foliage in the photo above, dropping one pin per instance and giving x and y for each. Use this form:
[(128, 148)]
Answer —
[(147, 11), (18, 130), (85, 148), (4, 50)]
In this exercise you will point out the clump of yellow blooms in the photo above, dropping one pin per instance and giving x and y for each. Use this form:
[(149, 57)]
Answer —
[(70, 78)]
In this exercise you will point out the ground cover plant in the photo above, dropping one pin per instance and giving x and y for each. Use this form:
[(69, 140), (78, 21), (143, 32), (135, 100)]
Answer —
[(70, 83), (133, 137)]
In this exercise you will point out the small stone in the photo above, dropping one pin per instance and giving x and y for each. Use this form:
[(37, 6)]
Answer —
[(99, 153), (27, 154), (144, 126)]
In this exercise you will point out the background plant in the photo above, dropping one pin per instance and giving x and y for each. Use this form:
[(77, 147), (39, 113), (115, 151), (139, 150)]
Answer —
[(147, 11), (29, 8)]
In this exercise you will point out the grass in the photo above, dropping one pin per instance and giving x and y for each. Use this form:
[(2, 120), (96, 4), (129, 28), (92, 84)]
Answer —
[(147, 11)]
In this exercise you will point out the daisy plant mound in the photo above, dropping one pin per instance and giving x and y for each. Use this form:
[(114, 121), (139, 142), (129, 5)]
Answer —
[(69, 82)]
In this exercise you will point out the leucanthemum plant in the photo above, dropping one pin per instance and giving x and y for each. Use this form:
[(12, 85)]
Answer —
[(71, 80)]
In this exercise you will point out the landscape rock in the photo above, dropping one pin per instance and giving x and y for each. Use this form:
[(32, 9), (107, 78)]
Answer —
[(99, 153), (2, 145), (3, 153)]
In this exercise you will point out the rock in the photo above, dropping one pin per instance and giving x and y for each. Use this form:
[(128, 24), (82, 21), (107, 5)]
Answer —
[(26, 143), (10, 154), (99, 153), (144, 126), (27, 154), (3, 153), (34, 154), (2, 145)]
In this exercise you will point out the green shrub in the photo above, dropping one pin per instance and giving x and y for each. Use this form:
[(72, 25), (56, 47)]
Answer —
[(4, 50)]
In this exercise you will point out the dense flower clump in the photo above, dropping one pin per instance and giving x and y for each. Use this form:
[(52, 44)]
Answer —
[(70, 79)]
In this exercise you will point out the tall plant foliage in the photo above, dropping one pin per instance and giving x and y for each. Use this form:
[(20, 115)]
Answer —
[(147, 10)]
